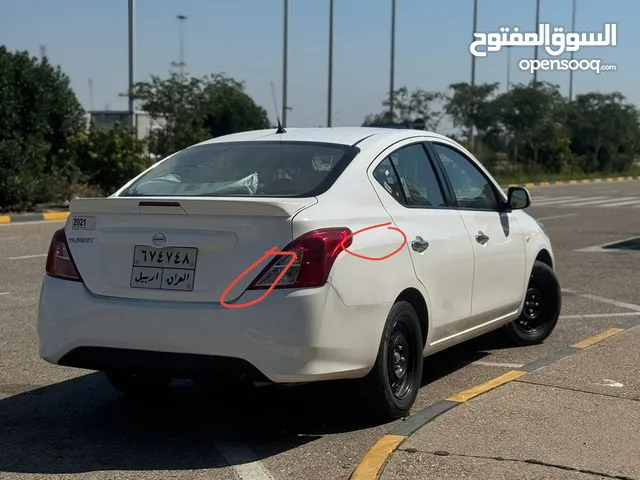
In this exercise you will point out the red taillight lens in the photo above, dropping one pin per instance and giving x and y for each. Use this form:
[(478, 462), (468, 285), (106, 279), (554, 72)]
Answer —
[(59, 261), (315, 253)]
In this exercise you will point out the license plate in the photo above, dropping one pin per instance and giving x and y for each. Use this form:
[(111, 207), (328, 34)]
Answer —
[(169, 268)]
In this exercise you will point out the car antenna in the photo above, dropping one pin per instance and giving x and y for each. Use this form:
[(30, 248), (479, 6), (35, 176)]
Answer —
[(275, 103)]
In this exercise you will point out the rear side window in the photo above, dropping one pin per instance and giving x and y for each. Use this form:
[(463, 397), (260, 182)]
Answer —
[(408, 176), (275, 169)]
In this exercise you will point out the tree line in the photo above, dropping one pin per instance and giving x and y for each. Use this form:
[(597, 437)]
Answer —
[(50, 152), (530, 130)]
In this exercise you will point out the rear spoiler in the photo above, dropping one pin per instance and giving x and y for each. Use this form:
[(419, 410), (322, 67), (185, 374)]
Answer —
[(192, 206)]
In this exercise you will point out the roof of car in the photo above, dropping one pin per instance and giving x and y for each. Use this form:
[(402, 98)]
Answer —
[(337, 135)]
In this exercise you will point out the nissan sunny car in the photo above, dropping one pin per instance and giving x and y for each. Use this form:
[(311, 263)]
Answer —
[(294, 257)]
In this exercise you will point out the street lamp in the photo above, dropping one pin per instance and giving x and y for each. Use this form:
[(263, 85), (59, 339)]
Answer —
[(285, 66), (330, 91), (393, 59), (132, 119), (508, 67), (475, 27), (573, 29), (181, 63), (535, 55)]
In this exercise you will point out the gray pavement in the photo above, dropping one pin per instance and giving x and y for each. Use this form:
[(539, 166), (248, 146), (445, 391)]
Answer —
[(577, 418), (58, 422)]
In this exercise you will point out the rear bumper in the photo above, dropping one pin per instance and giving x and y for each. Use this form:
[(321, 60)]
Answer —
[(291, 336)]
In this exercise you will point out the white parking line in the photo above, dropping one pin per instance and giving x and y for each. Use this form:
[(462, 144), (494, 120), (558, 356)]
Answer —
[(9, 238), (24, 257), (609, 301), (620, 204), (4, 293), (243, 461), (584, 201), (36, 222), (551, 200), (600, 248), (558, 216), (600, 315), (497, 364)]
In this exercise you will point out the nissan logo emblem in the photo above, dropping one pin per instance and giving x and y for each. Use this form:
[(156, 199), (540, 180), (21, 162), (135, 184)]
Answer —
[(159, 239)]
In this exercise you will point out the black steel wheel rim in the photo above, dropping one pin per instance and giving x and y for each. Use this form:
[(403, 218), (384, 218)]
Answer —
[(532, 318), (401, 361)]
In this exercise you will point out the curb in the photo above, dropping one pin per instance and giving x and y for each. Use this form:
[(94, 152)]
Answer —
[(33, 217), (573, 182), (372, 463), (52, 216)]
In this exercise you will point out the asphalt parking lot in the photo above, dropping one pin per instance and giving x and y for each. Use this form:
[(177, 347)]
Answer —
[(60, 423)]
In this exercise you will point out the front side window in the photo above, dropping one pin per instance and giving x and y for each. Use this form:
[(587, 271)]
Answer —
[(277, 169), (471, 188)]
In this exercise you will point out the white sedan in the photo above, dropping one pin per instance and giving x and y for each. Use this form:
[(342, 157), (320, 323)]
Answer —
[(298, 256)]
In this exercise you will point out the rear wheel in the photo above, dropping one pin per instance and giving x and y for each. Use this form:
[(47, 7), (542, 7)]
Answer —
[(132, 384), (391, 387), (541, 310)]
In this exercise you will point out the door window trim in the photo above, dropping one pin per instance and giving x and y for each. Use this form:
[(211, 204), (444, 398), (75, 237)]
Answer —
[(449, 201), (498, 192)]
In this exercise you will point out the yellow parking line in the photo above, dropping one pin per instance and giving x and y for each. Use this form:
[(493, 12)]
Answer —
[(597, 338), (55, 215), (374, 459), (485, 387), (5, 219)]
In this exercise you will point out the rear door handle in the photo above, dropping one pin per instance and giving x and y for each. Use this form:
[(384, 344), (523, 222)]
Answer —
[(481, 238), (419, 244)]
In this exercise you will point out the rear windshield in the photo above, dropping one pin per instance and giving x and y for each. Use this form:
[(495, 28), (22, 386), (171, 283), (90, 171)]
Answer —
[(276, 169)]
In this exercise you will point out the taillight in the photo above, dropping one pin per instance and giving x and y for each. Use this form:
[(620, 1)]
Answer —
[(315, 253), (59, 261)]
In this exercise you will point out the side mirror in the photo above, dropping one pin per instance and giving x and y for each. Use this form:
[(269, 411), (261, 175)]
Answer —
[(518, 198)]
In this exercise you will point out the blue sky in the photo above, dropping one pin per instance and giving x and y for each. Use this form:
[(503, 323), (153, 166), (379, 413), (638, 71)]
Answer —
[(243, 38)]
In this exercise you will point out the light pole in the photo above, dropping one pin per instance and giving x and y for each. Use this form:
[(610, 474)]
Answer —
[(285, 66), (330, 91), (508, 67), (393, 59), (132, 117), (475, 27), (535, 54), (573, 29), (181, 63)]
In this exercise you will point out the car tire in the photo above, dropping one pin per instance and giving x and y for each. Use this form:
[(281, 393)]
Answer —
[(541, 309), (132, 384), (391, 387)]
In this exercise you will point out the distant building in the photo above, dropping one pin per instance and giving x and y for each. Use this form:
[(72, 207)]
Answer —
[(108, 118)]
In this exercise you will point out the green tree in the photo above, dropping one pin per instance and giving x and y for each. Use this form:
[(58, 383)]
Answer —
[(39, 113), (470, 107), (605, 131), (196, 109), (533, 116), (108, 157)]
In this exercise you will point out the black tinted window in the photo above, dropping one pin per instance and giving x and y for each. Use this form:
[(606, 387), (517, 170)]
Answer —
[(416, 183), (471, 187), (245, 169)]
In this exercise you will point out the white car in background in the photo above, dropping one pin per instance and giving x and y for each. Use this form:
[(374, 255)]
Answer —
[(171, 276)]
